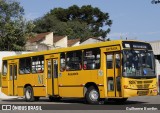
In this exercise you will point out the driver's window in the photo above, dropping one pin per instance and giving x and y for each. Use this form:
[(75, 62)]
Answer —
[(118, 62), (143, 58)]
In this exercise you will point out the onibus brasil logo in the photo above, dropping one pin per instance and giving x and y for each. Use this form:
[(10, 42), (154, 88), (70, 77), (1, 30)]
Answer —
[(21, 107)]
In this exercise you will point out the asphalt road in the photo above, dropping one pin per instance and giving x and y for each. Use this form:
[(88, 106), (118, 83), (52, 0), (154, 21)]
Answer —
[(43, 100), (67, 105)]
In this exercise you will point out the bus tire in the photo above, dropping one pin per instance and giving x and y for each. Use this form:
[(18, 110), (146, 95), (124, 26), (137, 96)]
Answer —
[(29, 96), (92, 95)]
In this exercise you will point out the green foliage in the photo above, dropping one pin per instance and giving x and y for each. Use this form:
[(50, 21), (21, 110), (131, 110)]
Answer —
[(13, 27), (76, 22)]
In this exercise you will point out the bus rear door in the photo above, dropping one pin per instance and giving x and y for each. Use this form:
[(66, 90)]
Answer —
[(12, 79)]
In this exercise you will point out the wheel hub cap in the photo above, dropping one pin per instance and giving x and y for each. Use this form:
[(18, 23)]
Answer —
[(28, 94), (94, 95)]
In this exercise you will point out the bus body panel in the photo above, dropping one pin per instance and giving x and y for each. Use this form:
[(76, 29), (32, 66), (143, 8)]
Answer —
[(20, 91), (39, 91), (139, 87), (111, 82), (71, 91)]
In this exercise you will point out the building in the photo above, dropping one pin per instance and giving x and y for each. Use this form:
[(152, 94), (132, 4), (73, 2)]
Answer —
[(46, 41), (156, 49), (60, 41), (73, 42), (91, 40), (42, 41)]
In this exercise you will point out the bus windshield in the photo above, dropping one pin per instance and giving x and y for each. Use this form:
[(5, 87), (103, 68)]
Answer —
[(138, 63)]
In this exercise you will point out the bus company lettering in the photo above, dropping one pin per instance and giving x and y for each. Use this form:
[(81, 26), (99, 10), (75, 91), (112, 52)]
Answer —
[(73, 73), (112, 48)]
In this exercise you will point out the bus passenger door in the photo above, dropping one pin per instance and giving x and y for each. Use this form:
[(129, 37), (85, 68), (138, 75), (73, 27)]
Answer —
[(12, 84), (52, 76), (113, 74)]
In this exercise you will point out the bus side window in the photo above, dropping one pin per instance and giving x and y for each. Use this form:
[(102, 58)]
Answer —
[(25, 65), (4, 72), (91, 59), (62, 62), (74, 60), (38, 64)]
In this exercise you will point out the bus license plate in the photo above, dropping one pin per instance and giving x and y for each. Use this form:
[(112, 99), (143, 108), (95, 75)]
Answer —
[(141, 93)]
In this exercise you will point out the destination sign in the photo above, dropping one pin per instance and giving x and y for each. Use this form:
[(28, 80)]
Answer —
[(136, 45), (140, 46), (113, 48)]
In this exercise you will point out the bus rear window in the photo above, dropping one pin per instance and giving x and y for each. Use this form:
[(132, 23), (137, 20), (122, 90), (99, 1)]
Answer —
[(4, 72)]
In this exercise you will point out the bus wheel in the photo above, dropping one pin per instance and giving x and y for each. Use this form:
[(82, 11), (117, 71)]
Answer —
[(92, 95), (29, 97)]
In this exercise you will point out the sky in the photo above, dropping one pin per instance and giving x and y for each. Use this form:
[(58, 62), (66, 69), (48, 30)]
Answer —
[(134, 19)]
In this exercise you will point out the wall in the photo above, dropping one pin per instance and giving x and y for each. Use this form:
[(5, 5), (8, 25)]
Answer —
[(90, 41), (155, 46), (76, 44), (48, 39), (61, 43), (156, 50)]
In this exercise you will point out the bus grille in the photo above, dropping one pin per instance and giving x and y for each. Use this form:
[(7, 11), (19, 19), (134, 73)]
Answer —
[(144, 84), (139, 82), (147, 82)]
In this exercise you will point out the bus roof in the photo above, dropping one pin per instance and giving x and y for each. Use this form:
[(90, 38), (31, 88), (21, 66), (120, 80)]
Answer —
[(58, 50)]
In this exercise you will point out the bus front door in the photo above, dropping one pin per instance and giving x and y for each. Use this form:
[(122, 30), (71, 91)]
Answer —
[(113, 68), (12, 79), (52, 76)]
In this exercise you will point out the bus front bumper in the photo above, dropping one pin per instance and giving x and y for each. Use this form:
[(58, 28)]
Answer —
[(139, 92)]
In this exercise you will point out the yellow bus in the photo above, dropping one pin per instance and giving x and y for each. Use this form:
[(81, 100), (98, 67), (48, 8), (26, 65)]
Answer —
[(115, 70)]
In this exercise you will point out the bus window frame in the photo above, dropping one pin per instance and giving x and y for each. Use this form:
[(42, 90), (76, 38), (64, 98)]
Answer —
[(25, 65), (3, 68), (97, 54), (43, 65), (62, 69), (81, 63)]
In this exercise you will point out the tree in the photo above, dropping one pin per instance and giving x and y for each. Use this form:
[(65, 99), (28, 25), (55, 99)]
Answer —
[(76, 22), (14, 29)]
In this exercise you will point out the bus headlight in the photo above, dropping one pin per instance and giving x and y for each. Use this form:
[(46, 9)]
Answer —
[(125, 86)]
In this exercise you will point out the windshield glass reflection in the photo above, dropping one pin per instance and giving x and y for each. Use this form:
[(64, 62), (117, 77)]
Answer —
[(138, 63)]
